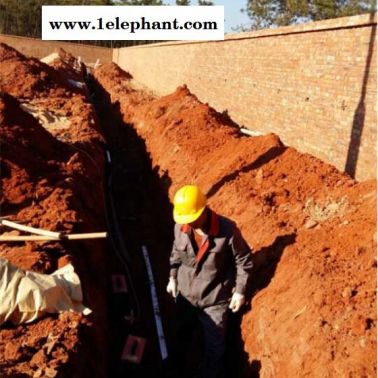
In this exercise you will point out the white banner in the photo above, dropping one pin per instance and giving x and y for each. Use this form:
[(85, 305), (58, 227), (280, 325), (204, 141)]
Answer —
[(85, 22)]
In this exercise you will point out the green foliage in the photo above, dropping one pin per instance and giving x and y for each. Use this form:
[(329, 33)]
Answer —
[(200, 2), (266, 13), (23, 18)]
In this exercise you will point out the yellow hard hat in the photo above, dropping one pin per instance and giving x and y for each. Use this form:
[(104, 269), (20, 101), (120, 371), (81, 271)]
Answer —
[(189, 203)]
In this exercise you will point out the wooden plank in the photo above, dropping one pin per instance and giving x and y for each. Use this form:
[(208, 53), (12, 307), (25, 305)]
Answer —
[(95, 235)]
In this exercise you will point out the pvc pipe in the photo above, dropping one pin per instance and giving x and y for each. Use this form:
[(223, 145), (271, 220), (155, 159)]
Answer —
[(155, 305), (94, 235), (32, 230), (108, 156), (243, 130)]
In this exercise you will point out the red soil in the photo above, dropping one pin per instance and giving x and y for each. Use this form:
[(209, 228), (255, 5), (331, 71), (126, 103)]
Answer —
[(311, 228), (68, 67), (53, 183)]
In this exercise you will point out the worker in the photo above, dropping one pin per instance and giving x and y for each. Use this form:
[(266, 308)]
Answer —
[(210, 266)]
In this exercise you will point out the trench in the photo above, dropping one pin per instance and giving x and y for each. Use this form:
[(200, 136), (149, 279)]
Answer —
[(281, 198), (139, 214)]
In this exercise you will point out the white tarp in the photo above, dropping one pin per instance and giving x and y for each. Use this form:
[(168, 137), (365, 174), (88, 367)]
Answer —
[(25, 295)]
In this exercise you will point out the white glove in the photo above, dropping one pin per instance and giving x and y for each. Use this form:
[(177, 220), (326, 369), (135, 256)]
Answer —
[(172, 287), (237, 301)]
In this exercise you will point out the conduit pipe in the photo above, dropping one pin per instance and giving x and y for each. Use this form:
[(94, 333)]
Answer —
[(245, 131), (122, 251), (155, 305), (32, 230), (108, 157), (94, 235)]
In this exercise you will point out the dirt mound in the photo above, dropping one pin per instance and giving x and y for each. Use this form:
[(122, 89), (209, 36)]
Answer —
[(112, 76), (32, 79), (113, 73), (314, 308), (47, 91), (52, 181), (317, 315), (70, 69)]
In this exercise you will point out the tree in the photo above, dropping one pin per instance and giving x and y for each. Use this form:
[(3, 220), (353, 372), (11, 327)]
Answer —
[(23, 18), (266, 13), (200, 2)]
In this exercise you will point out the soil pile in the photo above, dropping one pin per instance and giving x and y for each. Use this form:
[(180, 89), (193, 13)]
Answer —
[(46, 90), (311, 228), (26, 77), (68, 66), (52, 179)]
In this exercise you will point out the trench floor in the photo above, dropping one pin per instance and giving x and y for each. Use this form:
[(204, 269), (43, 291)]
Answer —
[(138, 214)]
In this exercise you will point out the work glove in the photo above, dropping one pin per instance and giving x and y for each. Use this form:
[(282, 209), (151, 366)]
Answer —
[(237, 301), (172, 287)]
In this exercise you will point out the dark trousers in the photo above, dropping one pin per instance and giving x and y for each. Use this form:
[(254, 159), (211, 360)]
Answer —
[(212, 322)]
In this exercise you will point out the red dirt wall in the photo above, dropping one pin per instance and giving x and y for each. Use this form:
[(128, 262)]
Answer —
[(52, 179), (311, 228)]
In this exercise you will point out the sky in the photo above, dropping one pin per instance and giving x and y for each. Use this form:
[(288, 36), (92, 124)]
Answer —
[(233, 16)]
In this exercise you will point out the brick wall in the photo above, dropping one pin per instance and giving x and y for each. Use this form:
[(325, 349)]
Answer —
[(40, 49), (314, 85)]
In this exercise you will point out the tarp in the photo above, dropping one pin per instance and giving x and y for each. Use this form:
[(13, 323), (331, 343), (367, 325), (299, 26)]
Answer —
[(26, 295)]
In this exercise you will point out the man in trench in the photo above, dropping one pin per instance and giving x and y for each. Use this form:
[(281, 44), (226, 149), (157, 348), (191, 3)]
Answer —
[(210, 266)]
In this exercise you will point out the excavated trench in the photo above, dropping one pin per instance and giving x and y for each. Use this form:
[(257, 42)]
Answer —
[(55, 176), (77, 170), (121, 151), (141, 214), (137, 217), (310, 226)]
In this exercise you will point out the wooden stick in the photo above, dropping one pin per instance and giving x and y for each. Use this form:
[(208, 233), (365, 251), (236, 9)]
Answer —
[(94, 235), (25, 238), (32, 230)]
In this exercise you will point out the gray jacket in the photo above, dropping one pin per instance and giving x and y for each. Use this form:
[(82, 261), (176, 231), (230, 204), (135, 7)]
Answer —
[(224, 261)]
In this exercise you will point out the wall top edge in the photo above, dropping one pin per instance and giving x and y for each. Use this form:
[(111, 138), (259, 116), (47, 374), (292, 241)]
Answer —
[(50, 41), (316, 26), (324, 25), (334, 23)]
